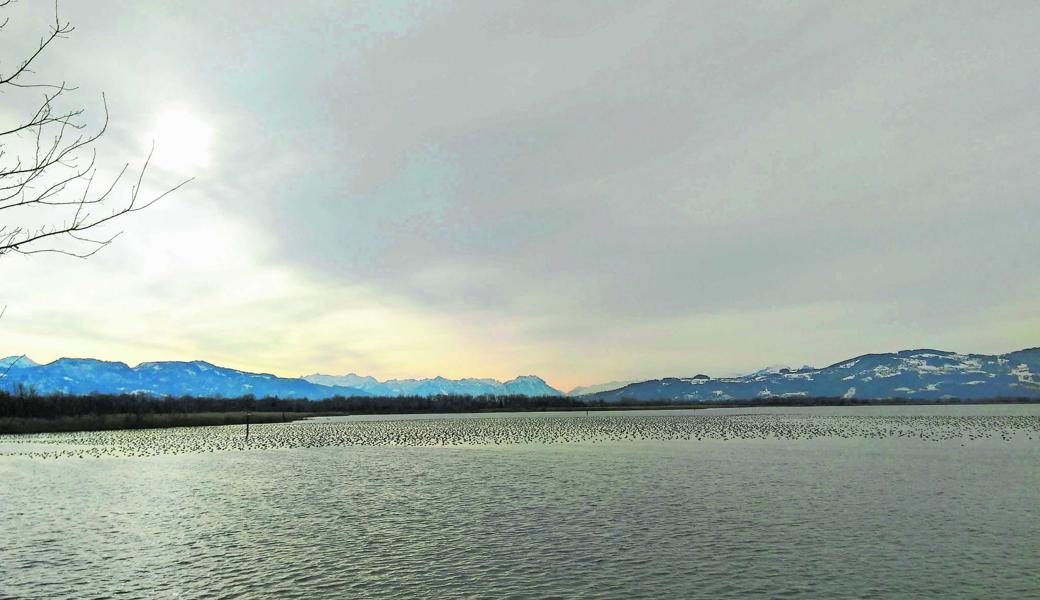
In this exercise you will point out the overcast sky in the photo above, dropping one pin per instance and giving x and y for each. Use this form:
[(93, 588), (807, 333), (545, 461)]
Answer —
[(586, 191)]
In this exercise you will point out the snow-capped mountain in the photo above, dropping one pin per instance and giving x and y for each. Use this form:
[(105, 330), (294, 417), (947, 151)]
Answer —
[(368, 384), (911, 374), (196, 378), (525, 385), (583, 390), (16, 362), (773, 369), (530, 385)]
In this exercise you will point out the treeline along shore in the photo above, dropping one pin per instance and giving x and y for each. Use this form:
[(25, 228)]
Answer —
[(34, 413)]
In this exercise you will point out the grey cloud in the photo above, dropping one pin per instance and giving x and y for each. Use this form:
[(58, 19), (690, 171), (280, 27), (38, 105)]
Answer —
[(593, 164), (675, 159)]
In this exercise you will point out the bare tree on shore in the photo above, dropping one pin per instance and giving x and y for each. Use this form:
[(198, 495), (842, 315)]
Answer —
[(49, 198)]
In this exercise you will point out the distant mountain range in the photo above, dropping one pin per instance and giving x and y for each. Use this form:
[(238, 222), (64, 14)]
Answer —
[(525, 385), (196, 378), (911, 374), (80, 376)]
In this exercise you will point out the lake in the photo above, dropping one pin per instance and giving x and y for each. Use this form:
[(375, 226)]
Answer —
[(864, 502)]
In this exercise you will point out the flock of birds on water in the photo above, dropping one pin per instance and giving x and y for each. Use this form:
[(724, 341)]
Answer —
[(500, 431)]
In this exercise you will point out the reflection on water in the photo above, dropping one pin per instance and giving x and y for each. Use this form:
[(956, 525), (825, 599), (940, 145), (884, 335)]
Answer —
[(800, 504)]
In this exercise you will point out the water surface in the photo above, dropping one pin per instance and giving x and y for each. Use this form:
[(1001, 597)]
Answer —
[(907, 502)]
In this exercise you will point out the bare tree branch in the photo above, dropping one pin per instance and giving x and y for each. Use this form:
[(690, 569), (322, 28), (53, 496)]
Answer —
[(40, 168)]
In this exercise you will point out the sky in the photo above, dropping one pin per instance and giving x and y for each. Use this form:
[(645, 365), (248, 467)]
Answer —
[(586, 191)]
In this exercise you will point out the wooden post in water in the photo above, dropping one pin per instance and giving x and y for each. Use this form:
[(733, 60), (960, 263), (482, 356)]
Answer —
[(247, 426)]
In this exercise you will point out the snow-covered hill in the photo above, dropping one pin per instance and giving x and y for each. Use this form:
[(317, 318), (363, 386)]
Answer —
[(911, 374)]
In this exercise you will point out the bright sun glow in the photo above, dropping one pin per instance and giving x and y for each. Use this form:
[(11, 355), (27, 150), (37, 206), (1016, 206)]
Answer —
[(182, 141)]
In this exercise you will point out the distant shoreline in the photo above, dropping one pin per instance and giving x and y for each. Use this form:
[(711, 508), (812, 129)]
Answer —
[(54, 414)]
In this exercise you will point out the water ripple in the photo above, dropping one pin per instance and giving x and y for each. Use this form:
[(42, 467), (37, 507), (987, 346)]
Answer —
[(793, 506)]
